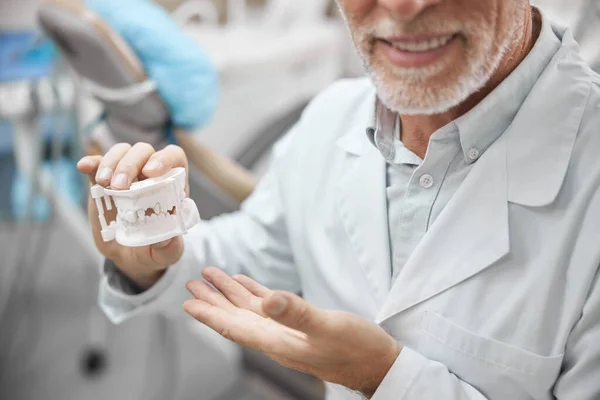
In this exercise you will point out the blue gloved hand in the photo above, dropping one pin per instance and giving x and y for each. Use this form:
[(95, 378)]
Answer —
[(186, 77)]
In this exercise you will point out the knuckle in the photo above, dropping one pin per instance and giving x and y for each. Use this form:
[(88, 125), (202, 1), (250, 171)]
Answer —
[(264, 346), (214, 298), (174, 148), (145, 147), (226, 333), (303, 316), (257, 305), (127, 168), (114, 155), (123, 146), (175, 152)]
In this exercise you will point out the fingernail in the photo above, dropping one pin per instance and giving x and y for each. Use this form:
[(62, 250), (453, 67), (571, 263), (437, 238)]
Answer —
[(278, 306), (104, 174), (153, 165), (120, 180), (84, 161)]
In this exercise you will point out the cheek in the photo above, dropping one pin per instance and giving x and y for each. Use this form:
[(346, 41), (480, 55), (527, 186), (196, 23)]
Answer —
[(482, 25), (357, 11)]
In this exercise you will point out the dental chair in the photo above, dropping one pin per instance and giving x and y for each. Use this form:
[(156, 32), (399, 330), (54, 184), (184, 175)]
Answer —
[(110, 70)]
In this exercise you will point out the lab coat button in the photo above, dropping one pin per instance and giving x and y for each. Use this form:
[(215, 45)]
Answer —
[(94, 363), (426, 181), (473, 154)]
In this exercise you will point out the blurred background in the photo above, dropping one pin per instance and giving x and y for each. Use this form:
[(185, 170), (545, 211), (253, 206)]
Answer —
[(272, 56)]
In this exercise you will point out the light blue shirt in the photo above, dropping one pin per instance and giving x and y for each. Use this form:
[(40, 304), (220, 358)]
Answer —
[(418, 190)]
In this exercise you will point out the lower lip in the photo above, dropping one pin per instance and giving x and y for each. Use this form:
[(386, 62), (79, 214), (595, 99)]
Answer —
[(410, 59)]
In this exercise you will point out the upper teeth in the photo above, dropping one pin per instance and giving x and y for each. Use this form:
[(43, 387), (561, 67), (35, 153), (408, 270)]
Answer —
[(423, 45)]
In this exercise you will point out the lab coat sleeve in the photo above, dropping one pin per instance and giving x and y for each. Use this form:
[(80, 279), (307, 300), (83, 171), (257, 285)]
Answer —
[(252, 241), (414, 377), (580, 377)]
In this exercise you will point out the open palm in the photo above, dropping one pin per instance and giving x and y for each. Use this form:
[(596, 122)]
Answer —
[(335, 346)]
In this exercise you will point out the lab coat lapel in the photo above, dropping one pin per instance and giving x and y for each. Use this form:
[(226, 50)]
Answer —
[(469, 235), (362, 206)]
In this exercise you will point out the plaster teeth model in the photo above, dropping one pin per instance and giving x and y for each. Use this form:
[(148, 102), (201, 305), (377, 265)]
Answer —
[(151, 211)]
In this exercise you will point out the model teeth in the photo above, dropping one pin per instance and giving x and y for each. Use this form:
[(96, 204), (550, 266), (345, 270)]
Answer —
[(130, 216), (161, 212), (423, 45)]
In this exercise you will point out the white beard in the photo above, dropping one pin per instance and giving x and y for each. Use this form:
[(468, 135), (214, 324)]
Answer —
[(406, 90)]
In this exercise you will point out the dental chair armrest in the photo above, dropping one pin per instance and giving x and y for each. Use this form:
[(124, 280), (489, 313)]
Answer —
[(234, 180)]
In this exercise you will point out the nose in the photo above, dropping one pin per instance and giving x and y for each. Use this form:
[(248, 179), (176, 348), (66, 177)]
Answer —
[(407, 10)]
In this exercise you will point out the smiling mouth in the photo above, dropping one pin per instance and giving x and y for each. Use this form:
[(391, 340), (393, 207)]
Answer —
[(420, 45), (417, 52)]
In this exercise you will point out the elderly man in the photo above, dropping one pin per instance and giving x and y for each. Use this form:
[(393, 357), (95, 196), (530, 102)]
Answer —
[(440, 218)]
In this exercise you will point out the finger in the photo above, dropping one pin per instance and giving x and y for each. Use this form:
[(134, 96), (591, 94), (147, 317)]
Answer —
[(234, 291), (165, 160), (130, 165), (253, 287), (88, 166), (109, 163), (222, 322), (167, 252), (294, 312), (201, 291)]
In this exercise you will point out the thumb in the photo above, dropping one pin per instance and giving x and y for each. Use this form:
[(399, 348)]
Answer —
[(294, 312), (166, 253)]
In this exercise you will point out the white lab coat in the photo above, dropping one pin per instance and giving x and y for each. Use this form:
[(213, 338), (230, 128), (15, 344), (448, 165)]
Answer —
[(500, 300)]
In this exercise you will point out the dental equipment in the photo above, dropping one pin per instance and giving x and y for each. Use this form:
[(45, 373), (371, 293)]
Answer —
[(151, 211), (147, 86)]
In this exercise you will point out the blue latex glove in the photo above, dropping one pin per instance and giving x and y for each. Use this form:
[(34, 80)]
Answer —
[(187, 79)]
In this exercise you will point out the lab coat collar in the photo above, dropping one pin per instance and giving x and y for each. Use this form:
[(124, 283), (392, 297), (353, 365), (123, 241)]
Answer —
[(356, 140), (541, 138), (482, 126)]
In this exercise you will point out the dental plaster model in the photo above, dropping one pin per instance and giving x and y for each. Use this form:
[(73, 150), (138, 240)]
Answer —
[(151, 211)]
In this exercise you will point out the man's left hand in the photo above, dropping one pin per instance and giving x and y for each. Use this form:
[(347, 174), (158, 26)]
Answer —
[(334, 346)]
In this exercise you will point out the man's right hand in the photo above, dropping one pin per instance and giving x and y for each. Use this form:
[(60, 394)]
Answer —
[(117, 169)]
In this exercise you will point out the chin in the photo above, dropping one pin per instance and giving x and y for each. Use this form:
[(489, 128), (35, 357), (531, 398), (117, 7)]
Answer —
[(426, 91)]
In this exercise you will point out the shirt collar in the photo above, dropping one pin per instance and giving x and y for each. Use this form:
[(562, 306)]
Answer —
[(482, 125)]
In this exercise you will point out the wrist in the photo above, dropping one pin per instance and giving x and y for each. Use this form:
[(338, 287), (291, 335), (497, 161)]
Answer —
[(380, 370), (142, 276), (146, 280)]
